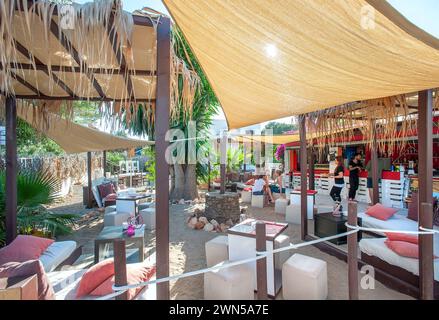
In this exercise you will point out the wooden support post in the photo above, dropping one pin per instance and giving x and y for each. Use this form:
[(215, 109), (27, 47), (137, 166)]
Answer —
[(162, 168), (11, 169), (303, 179), (104, 161), (261, 264), (312, 183), (89, 182), (208, 176), (352, 252), (374, 165), (120, 267), (425, 195), (223, 162)]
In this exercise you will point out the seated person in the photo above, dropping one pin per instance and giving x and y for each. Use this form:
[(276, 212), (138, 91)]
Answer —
[(261, 187), (278, 187)]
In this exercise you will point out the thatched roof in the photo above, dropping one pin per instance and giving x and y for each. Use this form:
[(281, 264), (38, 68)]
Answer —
[(272, 59)]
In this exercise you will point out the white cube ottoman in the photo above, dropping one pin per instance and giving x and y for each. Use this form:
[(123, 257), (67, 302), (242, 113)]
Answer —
[(292, 214), (304, 278), (232, 283), (280, 258), (217, 250), (115, 218), (246, 196), (276, 195), (280, 206), (258, 201), (110, 209), (148, 216)]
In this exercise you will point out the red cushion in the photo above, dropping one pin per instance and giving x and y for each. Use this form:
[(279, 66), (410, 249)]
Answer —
[(27, 269), (105, 189), (137, 272), (250, 182), (392, 236), (24, 248), (111, 197), (381, 212), (404, 249), (248, 189), (95, 276)]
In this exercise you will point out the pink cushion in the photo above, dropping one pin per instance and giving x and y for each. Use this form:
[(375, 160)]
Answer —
[(95, 276), (247, 189), (392, 236), (404, 249), (24, 248), (381, 212), (111, 197), (27, 269), (139, 272)]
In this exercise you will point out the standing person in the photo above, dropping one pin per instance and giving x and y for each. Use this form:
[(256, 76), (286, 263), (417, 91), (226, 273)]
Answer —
[(355, 167), (338, 182)]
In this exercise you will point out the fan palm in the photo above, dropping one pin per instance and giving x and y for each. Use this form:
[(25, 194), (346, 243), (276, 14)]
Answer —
[(35, 190)]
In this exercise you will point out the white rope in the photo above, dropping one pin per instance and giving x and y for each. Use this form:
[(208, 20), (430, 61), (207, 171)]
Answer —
[(389, 231), (260, 255), (429, 230)]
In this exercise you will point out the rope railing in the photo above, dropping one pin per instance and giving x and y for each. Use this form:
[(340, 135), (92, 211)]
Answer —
[(423, 230)]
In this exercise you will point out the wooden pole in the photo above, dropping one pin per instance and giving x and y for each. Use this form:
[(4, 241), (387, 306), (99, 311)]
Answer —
[(223, 161), (162, 168), (352, 252), (312, 183), (374, 158), (120, 267), (425, 195), (303, 178), (104, 161), (11, 170), (208, 176), (89, 182), (261, 264)]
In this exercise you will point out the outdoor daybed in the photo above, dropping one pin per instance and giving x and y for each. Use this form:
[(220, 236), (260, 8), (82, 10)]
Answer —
[(398, 221)]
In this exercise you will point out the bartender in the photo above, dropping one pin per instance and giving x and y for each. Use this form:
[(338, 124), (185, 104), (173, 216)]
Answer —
[(355, 167)]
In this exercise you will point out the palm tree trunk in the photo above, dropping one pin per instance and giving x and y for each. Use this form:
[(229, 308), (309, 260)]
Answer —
[(177, 192), (190, 184)]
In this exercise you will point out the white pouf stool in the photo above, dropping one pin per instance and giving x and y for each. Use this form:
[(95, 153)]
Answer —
[(232, 283), (280, 258), (110, 209), (148, 216), (115, 218), (217, 250), (280, 206), (276, 195), (246, 196), (258, 201), (292, 214), (304, 278)]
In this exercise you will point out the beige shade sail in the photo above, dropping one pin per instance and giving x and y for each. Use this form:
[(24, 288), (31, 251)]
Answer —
[(274, 139), (268, 59), (75, 138)]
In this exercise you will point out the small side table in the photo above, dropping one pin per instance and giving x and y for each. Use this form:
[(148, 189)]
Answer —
[(326, 225), (109, 234)]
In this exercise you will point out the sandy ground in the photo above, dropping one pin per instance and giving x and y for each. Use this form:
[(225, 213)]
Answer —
[(187, 252)]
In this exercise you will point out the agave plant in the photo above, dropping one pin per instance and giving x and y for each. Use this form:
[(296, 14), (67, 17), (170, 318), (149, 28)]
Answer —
[(36, 190)]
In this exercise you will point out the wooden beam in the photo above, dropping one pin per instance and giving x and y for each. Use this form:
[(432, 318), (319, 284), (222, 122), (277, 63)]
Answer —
[(261, 264), (374, 165), (352, 252), (74, 69), (89, 181), (23, 50), (425, 193), (11, 169), (303, 178), (312, 183), (67, 98), (120, 267), (27, 85), (162, 168)]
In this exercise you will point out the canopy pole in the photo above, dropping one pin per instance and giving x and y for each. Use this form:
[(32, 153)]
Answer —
[(208, 176), (120, 267), (261, 264), (163, 95), (312, 183), (352, 252), (104, 161), (303, 178), (374, 165), (223, 161), (11, 169), (89, 182), (425, 170)]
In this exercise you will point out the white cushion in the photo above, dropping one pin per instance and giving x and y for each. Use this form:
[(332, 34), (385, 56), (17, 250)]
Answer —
[(56, 253), (304, 278), (258, 201)]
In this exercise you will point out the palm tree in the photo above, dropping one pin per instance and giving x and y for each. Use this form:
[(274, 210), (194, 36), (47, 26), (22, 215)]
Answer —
[(35, 190)]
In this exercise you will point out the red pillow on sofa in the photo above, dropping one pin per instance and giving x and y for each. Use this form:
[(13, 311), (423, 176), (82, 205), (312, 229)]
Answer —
[(27, 269), (393, 236), (24, 248), (404, 249), (381, 212), (105, 189), (95, 276), (137, 272)]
